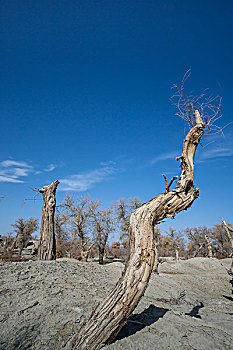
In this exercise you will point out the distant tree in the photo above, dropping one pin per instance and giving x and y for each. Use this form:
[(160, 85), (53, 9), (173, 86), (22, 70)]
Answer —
[(198, 241), (221, 241), (103, 225), (61, 234), (7, 243), (123, 211), (24, 229), (78, 215), (165, 245), (177, 245)]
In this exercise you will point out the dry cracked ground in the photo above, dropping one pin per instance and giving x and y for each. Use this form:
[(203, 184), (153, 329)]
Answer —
[(188, 305)]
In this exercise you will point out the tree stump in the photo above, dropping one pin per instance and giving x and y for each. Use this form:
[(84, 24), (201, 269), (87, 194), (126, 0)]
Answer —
[(47, 243)]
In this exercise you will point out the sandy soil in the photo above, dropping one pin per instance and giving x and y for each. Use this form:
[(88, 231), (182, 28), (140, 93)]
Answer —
[(187, 306)]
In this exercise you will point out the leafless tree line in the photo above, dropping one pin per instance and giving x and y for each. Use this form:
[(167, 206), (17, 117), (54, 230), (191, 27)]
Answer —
[(83, 228)]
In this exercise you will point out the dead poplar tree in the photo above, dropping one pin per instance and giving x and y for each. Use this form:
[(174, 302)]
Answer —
[(229, 229), (47, 243), (177, 249), (209, 246), (111, 315)]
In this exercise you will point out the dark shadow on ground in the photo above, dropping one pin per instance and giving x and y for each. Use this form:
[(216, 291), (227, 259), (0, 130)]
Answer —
[(136, 322), (227, 297), (231, 282), (195, 310)]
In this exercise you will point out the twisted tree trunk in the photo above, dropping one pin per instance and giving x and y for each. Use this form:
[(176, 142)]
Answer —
[(47, 244), (111, 315)]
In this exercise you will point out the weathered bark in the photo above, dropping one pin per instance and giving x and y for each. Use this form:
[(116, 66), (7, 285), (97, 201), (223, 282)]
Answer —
[(230, 237), (47, 244), (111, 315), (101, 256), (209, 247), (177, 253), (84, 255), (228, 229)]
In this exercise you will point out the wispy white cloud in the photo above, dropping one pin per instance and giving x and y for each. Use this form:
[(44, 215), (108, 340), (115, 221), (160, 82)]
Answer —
[(9, 163), (50, 167), (216, 153), (9, 179), (84, 181), (220, 148), (12, 171), (164, 156)]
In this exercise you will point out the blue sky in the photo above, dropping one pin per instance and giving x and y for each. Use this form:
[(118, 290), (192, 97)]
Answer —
[(85, 89)]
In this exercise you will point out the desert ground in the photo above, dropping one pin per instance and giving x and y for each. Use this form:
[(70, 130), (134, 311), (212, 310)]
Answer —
[(187, 306)]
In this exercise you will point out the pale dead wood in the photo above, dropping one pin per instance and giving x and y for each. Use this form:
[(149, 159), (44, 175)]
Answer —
[(209, 246), (111, 315), (228, 230), (177, 250), (230, 237), (208, 106), (170, 183), (47, 243)]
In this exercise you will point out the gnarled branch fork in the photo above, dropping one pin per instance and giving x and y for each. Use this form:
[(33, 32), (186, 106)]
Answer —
[(111, 315)]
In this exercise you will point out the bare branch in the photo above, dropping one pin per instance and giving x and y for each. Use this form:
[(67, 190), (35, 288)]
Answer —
[(208, 106)]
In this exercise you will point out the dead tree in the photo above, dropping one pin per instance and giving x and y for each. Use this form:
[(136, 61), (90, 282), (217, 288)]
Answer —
[(111, 315), (176, 238), (228, 230), (177, 249), (24, 230), (209, 246), (123, 211), (47, 243)]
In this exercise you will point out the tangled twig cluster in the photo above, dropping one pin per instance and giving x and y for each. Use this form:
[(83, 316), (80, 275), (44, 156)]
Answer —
[(208, 106)]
